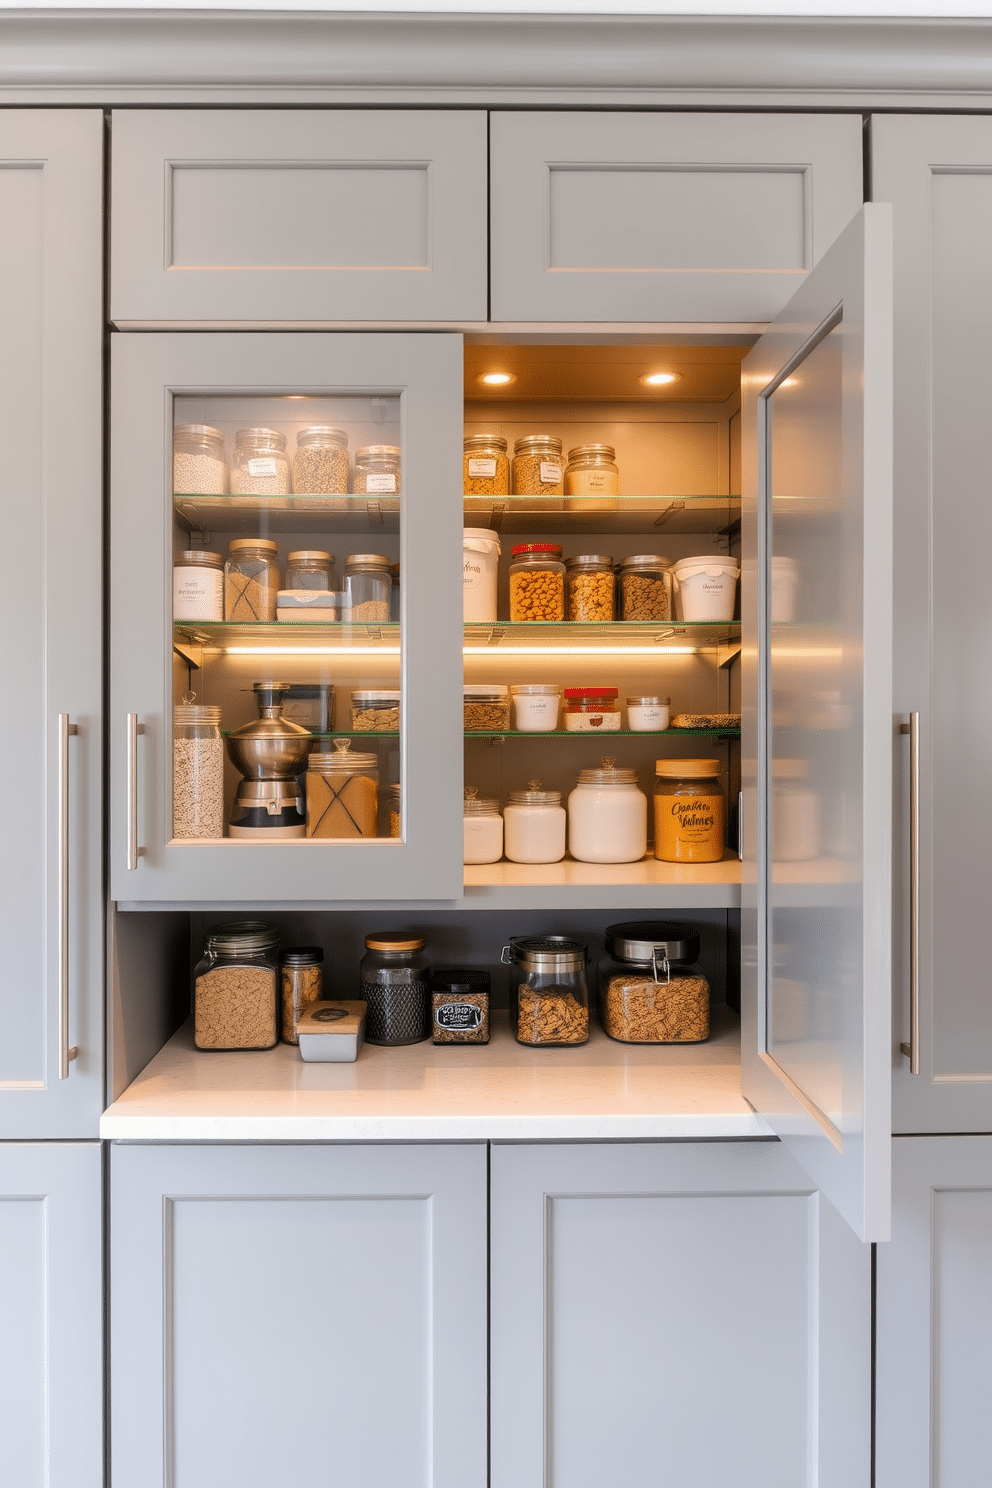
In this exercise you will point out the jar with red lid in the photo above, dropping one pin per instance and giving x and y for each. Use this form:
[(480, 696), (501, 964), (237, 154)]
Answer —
[(592, 709), (537, 583)]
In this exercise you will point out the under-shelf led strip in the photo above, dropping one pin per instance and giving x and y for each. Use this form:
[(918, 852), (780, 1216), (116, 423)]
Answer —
[(493, 651)]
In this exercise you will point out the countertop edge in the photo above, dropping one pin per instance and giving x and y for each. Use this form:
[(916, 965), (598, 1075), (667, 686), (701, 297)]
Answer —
[(538, 1128)]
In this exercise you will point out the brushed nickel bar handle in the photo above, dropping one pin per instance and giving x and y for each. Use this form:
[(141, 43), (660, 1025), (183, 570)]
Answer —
[(66, 1054), (912, 1049), (134, 728)]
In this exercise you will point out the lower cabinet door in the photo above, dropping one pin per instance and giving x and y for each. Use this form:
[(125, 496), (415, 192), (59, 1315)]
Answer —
[(675, 1313), (51, 1315), (934, 1319), (298, 1315)]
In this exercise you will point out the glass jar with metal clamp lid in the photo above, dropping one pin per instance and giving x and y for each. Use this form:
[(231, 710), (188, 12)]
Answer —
[(549, 989), (651, 989)]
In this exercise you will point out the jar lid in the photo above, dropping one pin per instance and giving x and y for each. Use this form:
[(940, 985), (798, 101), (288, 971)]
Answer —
[(380, 695), (198, 431), (649, 702), (476, 805), (599, 451), (638, 940), (241, 935), (200, 558), (494, 691), (261, 436), (395, 789), (322, 434), (535, 796), (547, 953), (645, 560), (689, 769), (531, 442), (536, 548), (342, 761), (535, 689), (600, 560), (395, 940), (310, 555), (303, 956), (460, 979), (592, 692), (607, 774), (239, 544), (485, 441), (366, 560), (193, 713), (378, 452)]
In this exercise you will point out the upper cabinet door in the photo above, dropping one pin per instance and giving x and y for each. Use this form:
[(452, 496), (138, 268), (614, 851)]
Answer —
[(51, 497), (302, 216), (664, 217), (818, 722), (286, 559)]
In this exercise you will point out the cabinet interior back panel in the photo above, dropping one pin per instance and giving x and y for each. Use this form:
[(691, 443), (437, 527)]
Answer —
[(23, 1333)]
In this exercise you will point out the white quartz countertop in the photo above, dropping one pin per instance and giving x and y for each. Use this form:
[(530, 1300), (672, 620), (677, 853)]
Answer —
[(423, 1092)]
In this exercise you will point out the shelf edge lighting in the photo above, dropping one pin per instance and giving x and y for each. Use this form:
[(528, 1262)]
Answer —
[(494, 650)]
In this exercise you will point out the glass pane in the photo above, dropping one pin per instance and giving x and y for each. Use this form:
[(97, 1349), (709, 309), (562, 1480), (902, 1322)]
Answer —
[(286, 620)]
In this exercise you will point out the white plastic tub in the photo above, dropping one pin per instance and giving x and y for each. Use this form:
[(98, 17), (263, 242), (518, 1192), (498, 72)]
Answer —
[(784, 580), (706, 588), (480, 566)]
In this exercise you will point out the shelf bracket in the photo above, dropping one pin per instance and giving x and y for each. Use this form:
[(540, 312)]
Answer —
[(727, 653), (373, 510), (496, 515), (374, 633), (495, 635), (191, 653), (669, 511)]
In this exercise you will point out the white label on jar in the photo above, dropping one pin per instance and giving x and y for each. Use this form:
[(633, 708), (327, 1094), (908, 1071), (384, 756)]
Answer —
[(197, 594), (486, 468), (550, 473), (471, 573), (647, 717), (582, 722), (536, 712), (380, 483), (263, 465), (583, 481)]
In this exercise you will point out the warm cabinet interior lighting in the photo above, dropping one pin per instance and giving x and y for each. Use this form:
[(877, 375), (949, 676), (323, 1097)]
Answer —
[(497, 379), (312, 650), (658, 379), (498, 649)]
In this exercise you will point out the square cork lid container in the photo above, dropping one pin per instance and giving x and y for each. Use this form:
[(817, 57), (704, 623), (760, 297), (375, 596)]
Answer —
[(332, 1032)]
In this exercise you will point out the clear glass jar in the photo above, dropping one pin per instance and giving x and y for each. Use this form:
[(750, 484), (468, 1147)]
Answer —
[(645, 587), (486, 465), (251, 579), (236, 988), (486, 708), (537, 582), (320, 464), (261, 465), (395, 809), (651, 990), (537, 466), (483, 828), (310, 568), (534, 825), (592, 473), (549, 989), (536, 706), (302, 983), (376, 711), (197, 771), (592, 709), (377, 470), (198, 586), (591, 588), (395, 983), (607, 816), (368, 588), (688, 811), (198, 464), (343, 793), (648, 714), (460, 1005)]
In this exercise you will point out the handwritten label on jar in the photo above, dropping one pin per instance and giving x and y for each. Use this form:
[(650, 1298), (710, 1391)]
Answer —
[(380, 483), (483, 469), (471, 574), (689, 826), (550, 473), (465, 1017), (262, 465)]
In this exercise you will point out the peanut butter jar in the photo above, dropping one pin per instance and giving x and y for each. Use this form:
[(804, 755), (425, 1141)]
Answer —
[(688, 811)]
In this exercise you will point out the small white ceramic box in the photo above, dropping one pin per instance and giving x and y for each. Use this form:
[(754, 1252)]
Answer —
[(332, 1032)]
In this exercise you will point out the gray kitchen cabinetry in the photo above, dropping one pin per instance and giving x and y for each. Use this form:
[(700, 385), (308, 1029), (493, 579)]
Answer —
[(51, 914), (298, 217), (299, 1315), (51, 1315), (698, 1308), (664, 216)]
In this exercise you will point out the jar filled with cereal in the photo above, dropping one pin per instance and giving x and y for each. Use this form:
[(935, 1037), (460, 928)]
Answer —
[(486, 465), (590, 587), (537, 466), (651, 988), (537, 582), (645, 587), (549, 990)]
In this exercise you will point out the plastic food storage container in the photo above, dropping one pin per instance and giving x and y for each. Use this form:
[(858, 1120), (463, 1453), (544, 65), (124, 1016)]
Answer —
[(592, 472), (310, 568), (480, 571), (706, 588), (536, 706), (784, 577), (261, 465), (486, 465), (198, 586), (537, 582), (688, 811), (592, 709), (368, 587), (332, 1032), (310, 704), (591, 588), (795, 813), (236, 988), (377, 470), (376, 711), (460, 1005), (320, 464), (537, 466), (648, 715), (307, 606), (251, 580), (487, 708), (198, 464), (197, 771), (549, 990), (395, 982), (645, 587), (483, 828), (607, 816), (302, 982), (651, 991), (534, 825), (343, 793)]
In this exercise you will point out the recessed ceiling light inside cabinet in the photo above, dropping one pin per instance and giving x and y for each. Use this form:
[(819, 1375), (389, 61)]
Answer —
[(497, 379), (658, 379)]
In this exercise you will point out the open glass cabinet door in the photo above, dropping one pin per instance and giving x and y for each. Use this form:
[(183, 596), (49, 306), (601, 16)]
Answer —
[(817, 740)]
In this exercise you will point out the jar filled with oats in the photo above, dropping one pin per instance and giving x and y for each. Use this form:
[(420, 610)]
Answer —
[(486, 465), (261, 465), (236, 988), (591, 588), (377, 470), (197, 771), (651, 989), (549, 990), (251, 579), (537, 582), (320, 464), (645, 587), (537, 466), (592, 474), (198, 465)]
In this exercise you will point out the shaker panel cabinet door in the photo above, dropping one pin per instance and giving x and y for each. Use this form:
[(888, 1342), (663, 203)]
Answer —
[(675, 1313), (664, 217), (51, 602), (297, 217), (51, 1315), (298, 1315), (934, 1317), (937, 173)]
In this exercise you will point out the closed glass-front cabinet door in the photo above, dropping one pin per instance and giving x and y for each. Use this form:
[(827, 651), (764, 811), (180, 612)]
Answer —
[(286, 617), (818, 723)]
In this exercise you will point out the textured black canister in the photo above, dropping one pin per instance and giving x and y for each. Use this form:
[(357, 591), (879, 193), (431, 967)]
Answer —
[(396, 985)]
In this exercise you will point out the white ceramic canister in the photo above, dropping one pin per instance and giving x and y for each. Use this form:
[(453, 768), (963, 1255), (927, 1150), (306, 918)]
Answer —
[(534, 825), (480, 567), (706, 587), (784, 577), (536, 707), (648, 715), (483, 830), (607, 816), (795, 813)]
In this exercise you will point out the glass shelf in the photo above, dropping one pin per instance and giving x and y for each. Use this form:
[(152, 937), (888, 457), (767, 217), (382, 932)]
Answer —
[(303, 513), (533, 734)]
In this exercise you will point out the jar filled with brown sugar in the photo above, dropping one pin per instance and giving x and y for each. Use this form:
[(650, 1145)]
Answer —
[(343, 793), (236, 988)]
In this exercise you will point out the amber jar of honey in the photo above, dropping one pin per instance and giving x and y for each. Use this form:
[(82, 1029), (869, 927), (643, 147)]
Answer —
[(688, 811)]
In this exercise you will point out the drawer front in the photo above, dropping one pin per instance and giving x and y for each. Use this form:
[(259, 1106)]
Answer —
[(664, 217), (315, 217)]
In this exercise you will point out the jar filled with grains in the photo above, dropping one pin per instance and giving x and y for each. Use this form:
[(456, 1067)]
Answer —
[(368, 587), (486, 707), (236, 988), (591, 588), (261, 465), (651, 991), (395, 983), (302, 984), (460, 1005), (251, 579), (549, 990), (376, 711), (320, 464), (645, 587), (197, 771), (198, 464), (592, 474), (486, 465), (310, 568), (537, 582), (198, 586), (537, 466), (343, 793), (377, 470)]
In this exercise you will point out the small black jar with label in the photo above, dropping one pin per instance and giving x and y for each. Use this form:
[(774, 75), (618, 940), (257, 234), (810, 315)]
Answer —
[(460, 1005)]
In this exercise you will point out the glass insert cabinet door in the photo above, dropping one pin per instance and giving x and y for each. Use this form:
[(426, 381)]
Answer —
[(286, 617), (818, 727)]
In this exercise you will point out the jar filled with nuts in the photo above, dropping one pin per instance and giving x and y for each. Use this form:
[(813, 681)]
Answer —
[(591, 587), (645, 587), (261, 466), (537, 466), (537, 582), (320, 464), (592, 474), (310, 568), (377, 470), (487, 465)]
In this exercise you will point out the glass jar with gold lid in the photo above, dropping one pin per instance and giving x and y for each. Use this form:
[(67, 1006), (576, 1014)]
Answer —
[(688, 811), (486, 465), (592, 475)]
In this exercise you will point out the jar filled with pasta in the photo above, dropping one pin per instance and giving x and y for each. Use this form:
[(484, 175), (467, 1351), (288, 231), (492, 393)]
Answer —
[(651, 989)]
